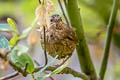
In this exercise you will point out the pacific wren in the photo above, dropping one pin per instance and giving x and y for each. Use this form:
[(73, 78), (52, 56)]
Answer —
[(61, 40)]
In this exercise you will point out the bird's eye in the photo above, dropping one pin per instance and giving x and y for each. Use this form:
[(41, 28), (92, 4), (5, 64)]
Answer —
[(51, 20), (51, 35)]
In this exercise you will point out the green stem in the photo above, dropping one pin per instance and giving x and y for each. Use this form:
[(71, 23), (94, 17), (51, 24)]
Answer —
[(108, 38), (66, 70), (30, 28), (82, 49)]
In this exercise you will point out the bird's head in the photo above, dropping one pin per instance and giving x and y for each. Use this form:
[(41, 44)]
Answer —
[(55, 18)]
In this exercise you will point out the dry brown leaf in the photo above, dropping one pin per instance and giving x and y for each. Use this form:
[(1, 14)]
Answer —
[(4, 65), (33, 38), (42, 13), (50, 6), (47, 20), (1, 51)]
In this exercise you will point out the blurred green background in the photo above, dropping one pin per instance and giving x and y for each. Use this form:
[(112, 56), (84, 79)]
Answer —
[(95, 15)]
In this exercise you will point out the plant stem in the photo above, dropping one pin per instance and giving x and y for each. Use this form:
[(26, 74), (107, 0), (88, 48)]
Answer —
[(60, 4), (66, 70), (45, 53), (110, 27), (9, 76), (26, 32), (82, 49)]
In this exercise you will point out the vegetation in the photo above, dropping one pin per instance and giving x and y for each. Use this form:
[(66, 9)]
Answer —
[(16, 55)]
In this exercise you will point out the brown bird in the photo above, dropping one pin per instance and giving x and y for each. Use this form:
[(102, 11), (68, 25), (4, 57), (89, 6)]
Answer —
[(61, 40)]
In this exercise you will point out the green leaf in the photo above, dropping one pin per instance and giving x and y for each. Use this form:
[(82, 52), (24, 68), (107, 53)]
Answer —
[(12, 23), (3, 42), (5, 27), (13, 40), (20, 57)]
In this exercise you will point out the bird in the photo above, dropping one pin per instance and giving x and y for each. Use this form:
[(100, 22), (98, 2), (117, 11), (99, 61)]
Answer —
[(61, 39)]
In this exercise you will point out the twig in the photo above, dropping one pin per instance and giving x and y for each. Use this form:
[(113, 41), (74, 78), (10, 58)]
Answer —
[(45, 53), (65, 71), (6, 54), (39, 2), (51, 78), (13, 65), (33, 76), (26, 67), (37, 63), (12, 75), (110, 27), (44, 71), (63, 13)]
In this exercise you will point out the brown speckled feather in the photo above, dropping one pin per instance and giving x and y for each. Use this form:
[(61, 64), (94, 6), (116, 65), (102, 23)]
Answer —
[(60, 39)]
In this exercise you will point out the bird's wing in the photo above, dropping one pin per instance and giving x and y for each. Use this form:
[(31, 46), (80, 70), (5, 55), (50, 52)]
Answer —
[(70, 33)]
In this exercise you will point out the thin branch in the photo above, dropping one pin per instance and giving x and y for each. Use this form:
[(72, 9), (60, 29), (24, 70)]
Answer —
[(63, 13), (26, 67), (12, 75), (44, 71), (13, 65), (51, 78), (39, 2), (45, 53), (36, 62), (108, 38), (65, 71)]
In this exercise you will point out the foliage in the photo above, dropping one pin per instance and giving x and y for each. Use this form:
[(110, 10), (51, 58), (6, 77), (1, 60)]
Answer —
[(93, 24), (14, 39), (20, 57), (3, 42), (12, 24), (5, 27), (19, 54)]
